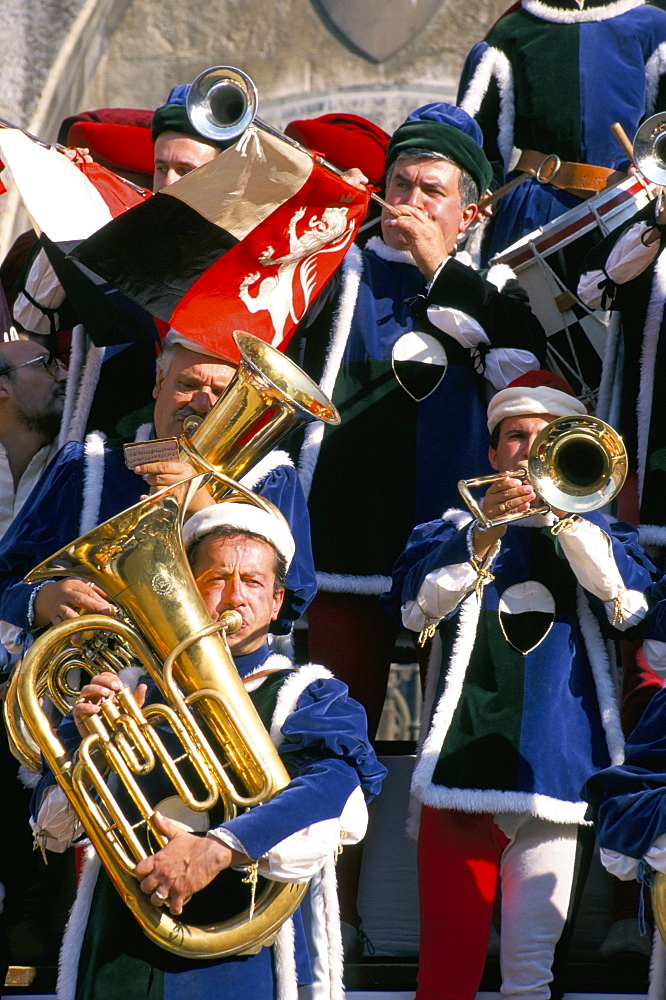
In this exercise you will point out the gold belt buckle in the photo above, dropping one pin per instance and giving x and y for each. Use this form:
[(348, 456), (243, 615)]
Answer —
[(556, 164)]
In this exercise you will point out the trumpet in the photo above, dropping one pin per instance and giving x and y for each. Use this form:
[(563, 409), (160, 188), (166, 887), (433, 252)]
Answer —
[(222, 104), (576, 464), (649, 149)]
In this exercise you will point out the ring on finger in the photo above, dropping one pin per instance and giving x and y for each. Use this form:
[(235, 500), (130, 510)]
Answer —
[(503, 508), (159, 895)]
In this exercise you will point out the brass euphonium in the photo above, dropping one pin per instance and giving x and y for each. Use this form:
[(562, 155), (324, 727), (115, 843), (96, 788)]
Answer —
[(268, 398), (137, 558)]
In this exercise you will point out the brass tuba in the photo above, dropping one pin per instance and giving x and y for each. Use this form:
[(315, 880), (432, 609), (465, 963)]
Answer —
[(268, 398), (137, 558), (577, 464)]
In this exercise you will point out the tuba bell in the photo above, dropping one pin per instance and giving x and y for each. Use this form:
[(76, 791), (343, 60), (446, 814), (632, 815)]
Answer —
[(138, 559), (577, 464)]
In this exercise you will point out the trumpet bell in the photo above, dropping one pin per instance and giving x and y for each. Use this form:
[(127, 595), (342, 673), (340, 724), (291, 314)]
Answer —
[(222, 103), (577, 464), (650, 149), (267, 399)]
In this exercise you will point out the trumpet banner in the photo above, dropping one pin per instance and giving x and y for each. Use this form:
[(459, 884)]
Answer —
[(245, 242)]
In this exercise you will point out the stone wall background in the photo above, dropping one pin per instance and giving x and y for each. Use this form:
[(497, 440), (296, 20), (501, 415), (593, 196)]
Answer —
[(60, 56)]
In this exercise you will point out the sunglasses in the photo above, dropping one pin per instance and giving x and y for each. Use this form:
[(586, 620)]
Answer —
[(51, 365)]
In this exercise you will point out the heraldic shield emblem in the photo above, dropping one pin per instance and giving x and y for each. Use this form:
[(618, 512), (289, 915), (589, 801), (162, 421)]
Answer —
[(377, 28)]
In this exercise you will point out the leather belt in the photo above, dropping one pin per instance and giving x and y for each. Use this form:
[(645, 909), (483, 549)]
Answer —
[(580, 179)]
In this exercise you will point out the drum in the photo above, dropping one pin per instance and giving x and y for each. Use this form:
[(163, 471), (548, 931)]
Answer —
[(548, 263)]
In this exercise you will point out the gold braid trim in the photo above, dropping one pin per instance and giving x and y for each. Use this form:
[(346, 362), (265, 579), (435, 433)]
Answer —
[(618, 613), (483, 576), (565, 525), (251, 880)]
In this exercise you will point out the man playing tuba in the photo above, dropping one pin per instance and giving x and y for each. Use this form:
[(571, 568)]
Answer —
[(239, 556)]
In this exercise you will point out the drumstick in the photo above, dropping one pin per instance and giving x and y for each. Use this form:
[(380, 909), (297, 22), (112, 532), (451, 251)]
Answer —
[(623, 140), (501, 191)]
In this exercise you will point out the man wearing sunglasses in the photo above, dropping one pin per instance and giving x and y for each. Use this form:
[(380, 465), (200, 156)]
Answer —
[(32, 396)]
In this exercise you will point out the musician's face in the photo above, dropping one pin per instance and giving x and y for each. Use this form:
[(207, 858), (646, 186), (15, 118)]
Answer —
[(177, 154), (238, 573), (516, 437), (192, 384), (432, 186), (33, 396)]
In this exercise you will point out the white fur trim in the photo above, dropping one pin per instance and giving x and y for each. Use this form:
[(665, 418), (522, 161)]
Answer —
[(601, 671), (458, 518), (285, 962), (352, 269), (432, 677), (520, 400), (468, 618), (561, 16), (70, 951), (92, 367), (27, 777), (651, 332), (326, 934), (609, 372), (275, 662), (499, 275), (145, 432), (494, 63), (290, 692), (652, 534), (245, 517), (385, 252), (269, 463), (340, 583), (654, 70), (76, 358), (93, 481)]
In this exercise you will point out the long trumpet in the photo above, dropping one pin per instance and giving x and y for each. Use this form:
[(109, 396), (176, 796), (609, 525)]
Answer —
[(222, 104), (576, 464)]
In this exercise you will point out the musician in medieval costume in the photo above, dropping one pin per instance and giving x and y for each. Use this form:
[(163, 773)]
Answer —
[(239, 555), (628, 802), (90, 482), (407, 339), (519, 709), (545, 85)]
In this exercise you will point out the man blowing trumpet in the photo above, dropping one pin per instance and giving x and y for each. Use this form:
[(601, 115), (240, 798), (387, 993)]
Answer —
[(519, 707), (239, 557)]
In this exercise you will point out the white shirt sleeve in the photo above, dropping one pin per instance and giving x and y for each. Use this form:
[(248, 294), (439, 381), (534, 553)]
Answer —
[(590, 554), (628, 258), (56, 826), (442, 591), (625, 868), (44, 287), (654, 652), (300, 856)]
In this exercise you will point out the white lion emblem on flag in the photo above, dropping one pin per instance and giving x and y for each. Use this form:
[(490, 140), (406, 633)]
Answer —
[(275, 294)]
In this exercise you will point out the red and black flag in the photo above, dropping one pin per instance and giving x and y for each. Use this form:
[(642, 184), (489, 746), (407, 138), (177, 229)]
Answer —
[(244, 242)]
